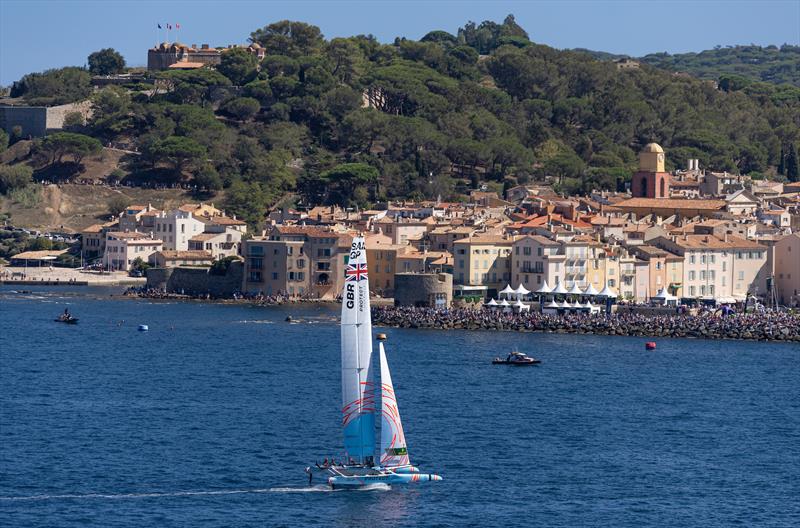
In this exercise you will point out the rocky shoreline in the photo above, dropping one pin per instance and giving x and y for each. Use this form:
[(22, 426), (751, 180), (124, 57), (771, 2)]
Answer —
[(766, 326)]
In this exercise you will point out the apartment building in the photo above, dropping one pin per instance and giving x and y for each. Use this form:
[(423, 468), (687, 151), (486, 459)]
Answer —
[(124, 247), (483, 260), (536, 259), (716, 268), (787, 270), (296, 260), (176, 228)]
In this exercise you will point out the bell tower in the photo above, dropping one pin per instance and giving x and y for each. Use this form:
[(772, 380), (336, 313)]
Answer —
[(651, 180)]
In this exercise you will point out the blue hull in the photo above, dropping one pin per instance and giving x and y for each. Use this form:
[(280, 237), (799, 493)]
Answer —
[(359, 477)]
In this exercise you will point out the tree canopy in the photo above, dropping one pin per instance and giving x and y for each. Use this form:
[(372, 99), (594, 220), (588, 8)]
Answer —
[(106, 62)]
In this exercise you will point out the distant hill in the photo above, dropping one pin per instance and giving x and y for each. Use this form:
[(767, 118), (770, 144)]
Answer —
[(772, 64), (352, 121)]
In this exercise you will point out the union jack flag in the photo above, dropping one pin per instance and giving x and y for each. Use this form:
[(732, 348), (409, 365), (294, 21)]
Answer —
[(356, 272)]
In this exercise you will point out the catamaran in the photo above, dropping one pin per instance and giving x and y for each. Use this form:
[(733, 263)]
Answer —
[(360, 467)]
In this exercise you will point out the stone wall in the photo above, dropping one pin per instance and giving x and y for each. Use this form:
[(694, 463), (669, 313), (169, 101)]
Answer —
[(197, 281), (32, 119), (56, 114), (423, 289)]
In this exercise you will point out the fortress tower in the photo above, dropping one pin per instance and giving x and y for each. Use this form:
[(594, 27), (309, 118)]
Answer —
[(651, 180)]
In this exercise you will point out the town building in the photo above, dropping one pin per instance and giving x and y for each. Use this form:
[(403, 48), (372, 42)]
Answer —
[(175, 55), (651, 180), (483, 261), (172, 259), (176, 228), (124, 247), (787, 270)]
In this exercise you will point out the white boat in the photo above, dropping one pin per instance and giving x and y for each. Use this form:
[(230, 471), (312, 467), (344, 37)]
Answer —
[(360, 466)]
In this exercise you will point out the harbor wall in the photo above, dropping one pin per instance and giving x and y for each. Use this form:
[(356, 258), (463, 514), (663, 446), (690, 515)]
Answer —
[(197, 281)]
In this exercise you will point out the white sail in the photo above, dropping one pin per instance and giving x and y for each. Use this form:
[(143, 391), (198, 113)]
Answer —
[(358, 394), (394, 451)]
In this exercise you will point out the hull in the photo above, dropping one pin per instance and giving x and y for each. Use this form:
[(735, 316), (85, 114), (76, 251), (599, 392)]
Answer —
[(360, 477)]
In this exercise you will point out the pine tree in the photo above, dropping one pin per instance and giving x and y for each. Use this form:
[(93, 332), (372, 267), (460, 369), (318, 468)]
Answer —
[(792, 169), (782, 162)]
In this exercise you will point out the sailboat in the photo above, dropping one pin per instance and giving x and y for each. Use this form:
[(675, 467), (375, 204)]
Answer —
[(360, 466)]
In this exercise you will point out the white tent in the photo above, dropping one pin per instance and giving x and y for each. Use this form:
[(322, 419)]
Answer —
[(559, 289), (590, 290), (521, 306), (607, 292), (664, 297), (544, 289), (507, 290), (492, 302), (575, 290), (552, 304), (504, 303), (522, 290)]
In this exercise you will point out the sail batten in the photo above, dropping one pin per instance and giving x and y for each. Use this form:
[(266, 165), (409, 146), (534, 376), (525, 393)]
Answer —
[(358, 390)]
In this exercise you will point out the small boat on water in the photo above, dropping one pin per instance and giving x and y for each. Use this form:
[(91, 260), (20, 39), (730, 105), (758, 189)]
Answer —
[(67, 319), (361, 465), (516, 358)]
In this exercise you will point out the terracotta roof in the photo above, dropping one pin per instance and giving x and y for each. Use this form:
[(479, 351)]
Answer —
[(226, 220), (712, 242), (543, 240), (670, 203), (127, 235), (206, 236), (486, 239), (37, 255)]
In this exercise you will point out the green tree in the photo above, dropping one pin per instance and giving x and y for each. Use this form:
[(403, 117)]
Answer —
[(348, 182), (179, 151), (73, 121), (242, 108), (238, 65), (14, 177), (289, 38), (107, 61), (54, 87), (208, 178), (117, 204), (61, 144), (792, 168)]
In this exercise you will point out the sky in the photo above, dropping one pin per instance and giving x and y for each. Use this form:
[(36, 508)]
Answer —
[(39, 34)]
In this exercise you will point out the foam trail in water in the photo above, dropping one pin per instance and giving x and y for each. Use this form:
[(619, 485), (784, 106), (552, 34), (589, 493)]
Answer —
[(131, 495)]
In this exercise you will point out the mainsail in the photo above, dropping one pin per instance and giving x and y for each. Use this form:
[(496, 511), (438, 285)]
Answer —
[(394, 451), (358, 394)]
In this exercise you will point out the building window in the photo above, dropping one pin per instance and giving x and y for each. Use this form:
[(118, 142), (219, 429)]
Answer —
[(275, 275), (526, 251), (741, 275), (612, 282), (702, 275), (703, 290), (691, 259), (691, 291), (658, 265), (461, 263), (301, 263), (691, 275)]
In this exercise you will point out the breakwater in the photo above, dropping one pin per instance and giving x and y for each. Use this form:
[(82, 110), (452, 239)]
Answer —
[(766, 326)]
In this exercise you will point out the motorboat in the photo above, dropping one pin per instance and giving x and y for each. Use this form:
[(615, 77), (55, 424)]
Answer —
[(67, 319), (516, 358)]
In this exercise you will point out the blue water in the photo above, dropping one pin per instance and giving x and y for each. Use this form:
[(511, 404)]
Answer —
[(210, 417)]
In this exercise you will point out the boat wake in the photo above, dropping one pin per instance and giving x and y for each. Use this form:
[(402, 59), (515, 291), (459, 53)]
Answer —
[(130, 495), (116, 496)]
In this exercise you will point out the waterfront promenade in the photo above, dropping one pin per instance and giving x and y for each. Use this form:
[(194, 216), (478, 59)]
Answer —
[(765, 326)]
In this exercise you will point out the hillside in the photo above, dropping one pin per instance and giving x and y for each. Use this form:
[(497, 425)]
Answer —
[(763, 64), (352, 121), (72, 207)]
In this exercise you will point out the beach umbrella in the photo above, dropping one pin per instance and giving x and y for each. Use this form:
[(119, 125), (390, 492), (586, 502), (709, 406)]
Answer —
[(590, 290), (544, 289)]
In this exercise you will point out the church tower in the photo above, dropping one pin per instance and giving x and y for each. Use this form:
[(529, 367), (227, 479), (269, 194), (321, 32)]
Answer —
[(651, 180)]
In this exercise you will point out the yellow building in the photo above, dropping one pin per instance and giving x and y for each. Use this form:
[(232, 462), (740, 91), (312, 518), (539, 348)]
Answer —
[(483, 260)]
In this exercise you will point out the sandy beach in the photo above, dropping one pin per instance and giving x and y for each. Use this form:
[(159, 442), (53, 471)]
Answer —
[(17, 274)]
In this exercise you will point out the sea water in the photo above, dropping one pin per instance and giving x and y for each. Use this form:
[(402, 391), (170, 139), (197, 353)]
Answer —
[(210, 418)]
